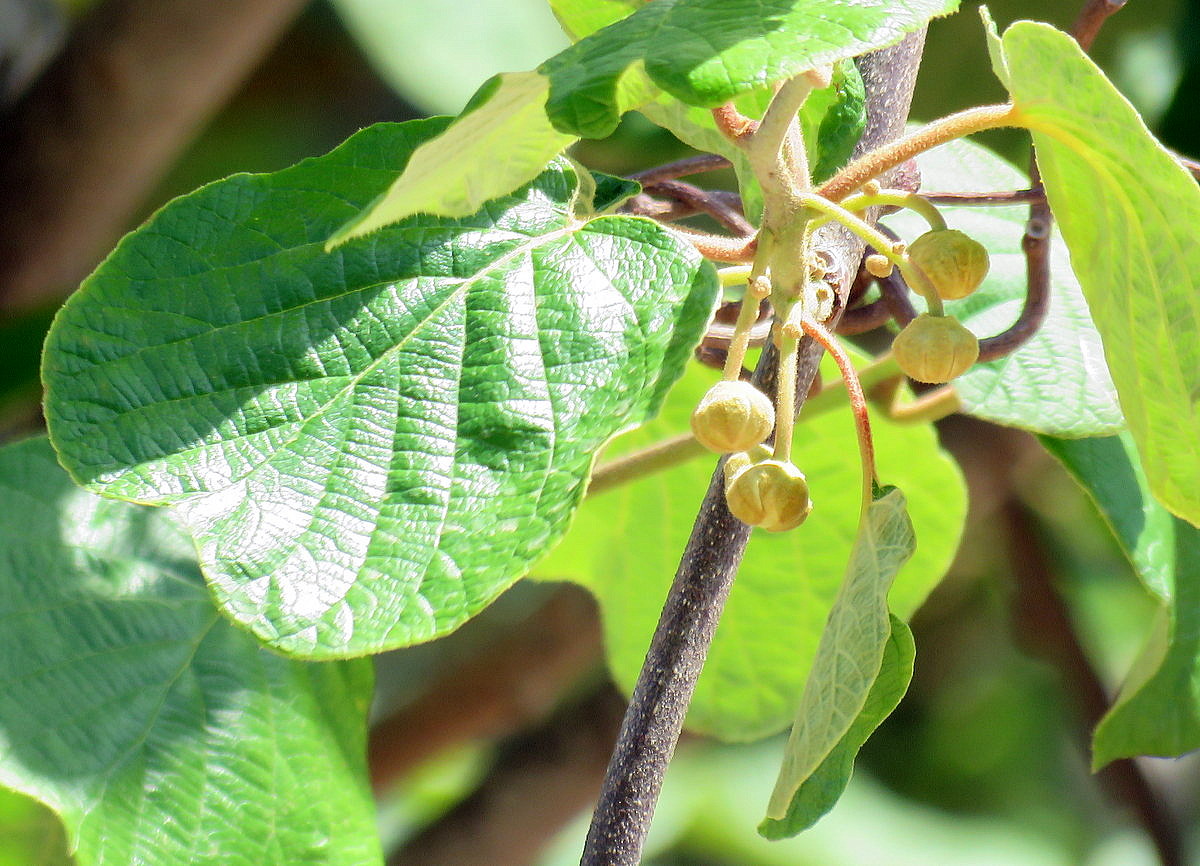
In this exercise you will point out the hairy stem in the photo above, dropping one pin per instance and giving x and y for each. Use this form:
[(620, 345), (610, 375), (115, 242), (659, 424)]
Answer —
[(647, 461), (920, 204), (858, 400), (954, 126), (785, 394)]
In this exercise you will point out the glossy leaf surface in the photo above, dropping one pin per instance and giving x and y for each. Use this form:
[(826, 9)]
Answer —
[(158, 731), (851, 650), (368, 446), (1057, 382), (704, 53), (1158, 709), (625, 545), (1128, 211), (701, 52)]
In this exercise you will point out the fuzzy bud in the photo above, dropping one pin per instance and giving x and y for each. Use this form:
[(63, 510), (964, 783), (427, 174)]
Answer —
[(935, 349), (771, 494), (733, 416), (955, 262)]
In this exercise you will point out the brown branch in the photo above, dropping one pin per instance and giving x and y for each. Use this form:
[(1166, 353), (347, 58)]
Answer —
[(540, 782), (1192, 166), (865, 318), (970, 199), (719, 207), (84, 146), (680, 168), (494, 693), (1036, 245), (718, 248), (1045, 626), (1091, 18)]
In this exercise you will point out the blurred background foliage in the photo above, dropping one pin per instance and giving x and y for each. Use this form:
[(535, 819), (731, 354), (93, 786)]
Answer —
[(984, 763)]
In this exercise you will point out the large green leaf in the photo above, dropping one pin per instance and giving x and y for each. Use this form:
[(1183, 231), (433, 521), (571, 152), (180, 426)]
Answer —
[(1056, 383), (1158, 710), (367, 446), (820, 791), (502, 140), (702, 52), (159, 732), (850, 654), (625, 545), (1129, 213)]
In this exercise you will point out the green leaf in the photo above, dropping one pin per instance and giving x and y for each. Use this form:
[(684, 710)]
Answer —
[(1158, 710), (367, 446), (833, 120), (850, 655), (821, 790), (704, 55), (624, 545), (32, 834), (435, 56), (156, 730), (1057, 382), (502, 140), (1128, 211), (695, 50), (580, 18)]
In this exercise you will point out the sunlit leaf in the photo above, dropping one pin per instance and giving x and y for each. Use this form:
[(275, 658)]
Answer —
[(1129, 213), (693, 50), (700, 53), (159, 732), (368, 446)]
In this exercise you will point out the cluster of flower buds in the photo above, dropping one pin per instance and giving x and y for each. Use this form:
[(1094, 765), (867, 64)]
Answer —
[(937, 348)]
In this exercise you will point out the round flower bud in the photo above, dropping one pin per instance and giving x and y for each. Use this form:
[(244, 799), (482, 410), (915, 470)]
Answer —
[(771, 494), (935, 349), (955, 262), (733, 416)]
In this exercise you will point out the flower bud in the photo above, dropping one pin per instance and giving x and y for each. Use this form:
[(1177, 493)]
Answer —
[(935, 349), (740, 460), (771, 494), (733, 416), (955, 262)]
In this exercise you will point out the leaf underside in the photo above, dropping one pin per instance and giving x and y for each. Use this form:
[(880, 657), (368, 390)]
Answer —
[(850, 656), (367, 446), (157, 730)]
